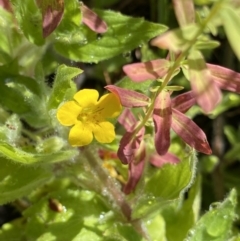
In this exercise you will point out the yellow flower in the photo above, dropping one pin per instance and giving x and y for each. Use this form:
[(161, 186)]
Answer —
[(88, 117)]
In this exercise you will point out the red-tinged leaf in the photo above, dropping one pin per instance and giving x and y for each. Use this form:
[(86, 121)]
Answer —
[(184, 101), (92, 20), (162, 117), (129, 98), (158, 161), (225, 78), (207, 93), (52, 13), (177, 40), (184, 11), (135, 170), (127, 119), (129, 145), (150, 70), (6, 5), (190, 132)]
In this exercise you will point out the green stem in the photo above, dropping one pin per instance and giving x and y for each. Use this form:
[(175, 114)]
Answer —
[(114, 193), (176, 65)]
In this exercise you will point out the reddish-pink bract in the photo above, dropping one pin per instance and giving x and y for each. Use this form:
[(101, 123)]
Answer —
[(190, 132), (207, 93), (129, 145), (158, 161), (51, 15), (162, 117), (225, 78), (127, 119), (184, 11), (131, 150), (129, 98), (92, 20), (6, 5), (184, 102), (135, 169), (150, 70)]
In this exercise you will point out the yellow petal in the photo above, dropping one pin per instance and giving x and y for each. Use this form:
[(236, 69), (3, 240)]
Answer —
[(80, 135), (86, 97), (67, 113), (110, 105), (104, 132)]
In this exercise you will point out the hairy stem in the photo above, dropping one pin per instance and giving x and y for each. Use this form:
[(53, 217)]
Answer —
[(114, 193)]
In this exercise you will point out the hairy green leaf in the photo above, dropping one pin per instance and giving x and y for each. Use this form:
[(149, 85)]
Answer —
[(9, 39), (62, 85), (180, 218), (17, 155), (19, 180), (77, 212), (215, 224), (30, 20), (166, 184), (124, 34)]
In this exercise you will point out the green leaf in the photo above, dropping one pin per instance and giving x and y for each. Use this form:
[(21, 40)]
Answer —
[(72, 16), (181, 177), (231, 22), (22, 95), (124, 34), (50, 145), (215, 224), (69, 30), (63, 87), (156, 228), (12, 99), (80, 215), (128, 233), (19, 180), (9, 36), (12, 231), (18, 96), (123, 232), (17, 155), (159, 191), (206, 44), (178, 220), (30, 20)]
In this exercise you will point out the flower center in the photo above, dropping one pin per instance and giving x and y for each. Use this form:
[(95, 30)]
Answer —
[(90, 115)]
